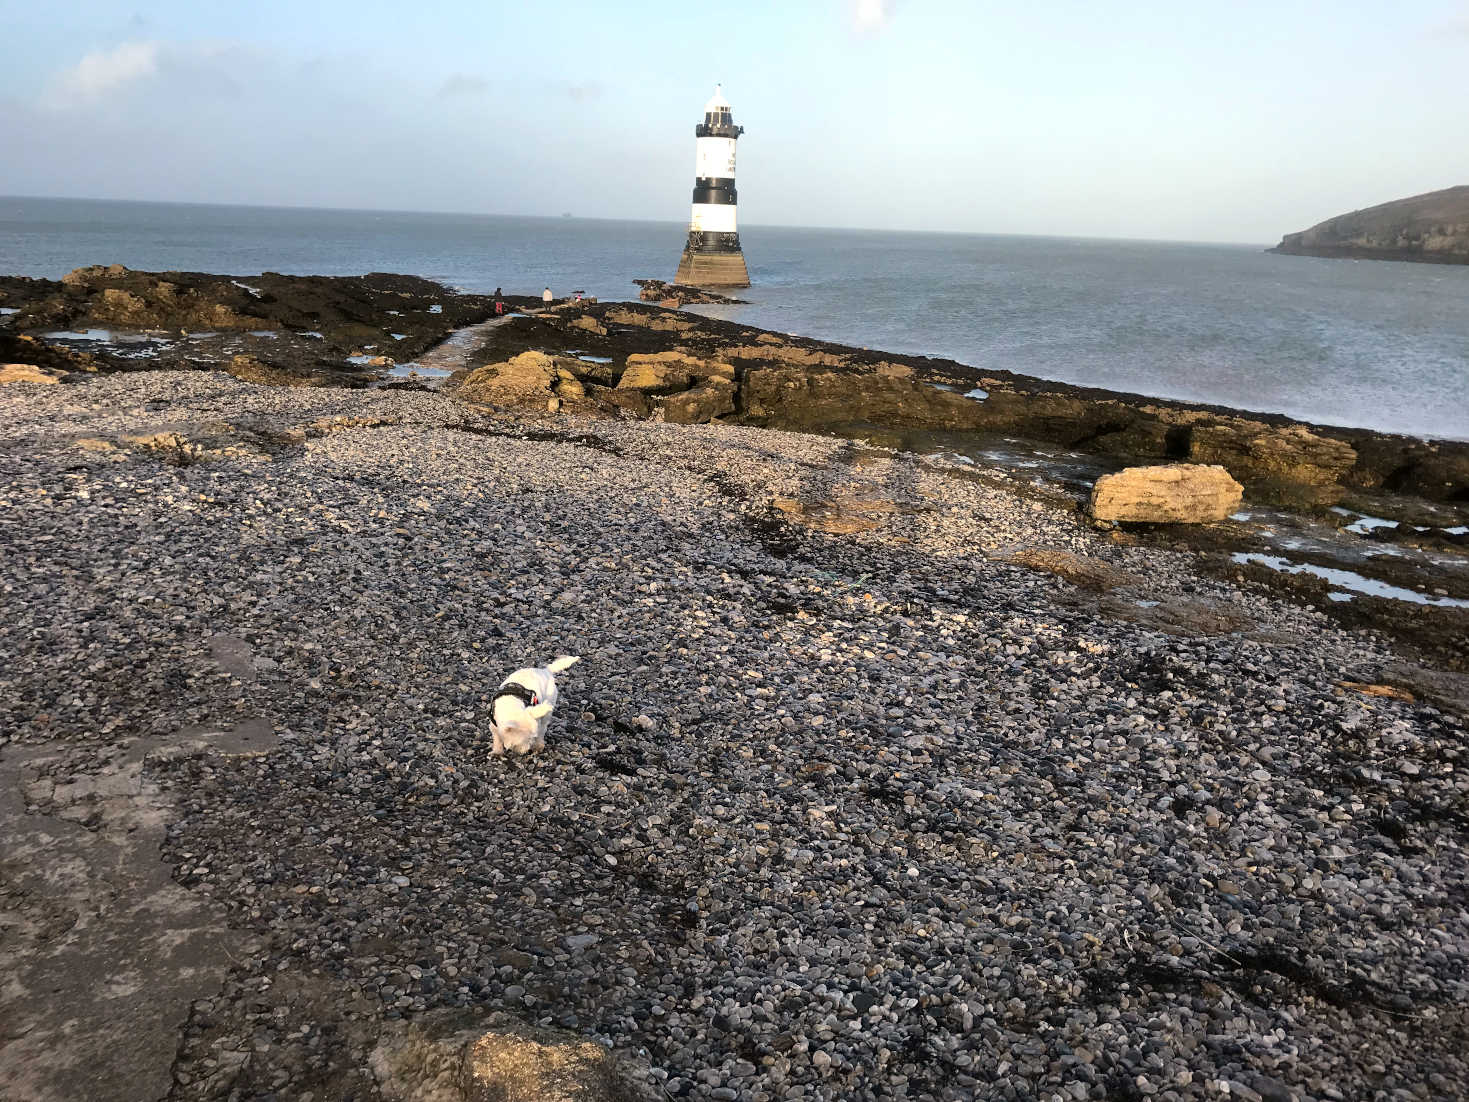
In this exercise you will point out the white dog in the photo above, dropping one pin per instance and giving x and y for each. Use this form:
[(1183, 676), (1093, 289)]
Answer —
[(521, 708)]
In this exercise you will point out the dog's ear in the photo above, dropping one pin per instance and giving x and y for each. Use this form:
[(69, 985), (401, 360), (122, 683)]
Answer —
[(538, 711)]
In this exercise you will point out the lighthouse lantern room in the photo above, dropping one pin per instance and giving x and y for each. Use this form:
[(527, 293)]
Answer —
[(712, 257)]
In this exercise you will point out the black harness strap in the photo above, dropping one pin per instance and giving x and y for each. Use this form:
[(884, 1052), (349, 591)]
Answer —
[(519, 692)]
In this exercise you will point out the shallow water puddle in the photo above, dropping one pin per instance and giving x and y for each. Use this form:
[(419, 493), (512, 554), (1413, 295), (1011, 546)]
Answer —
[(413, 370), (1348, 580), (979, 394), (1364, 523), (79, 335)]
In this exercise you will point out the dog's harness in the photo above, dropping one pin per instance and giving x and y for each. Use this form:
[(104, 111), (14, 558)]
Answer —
[(519, 692)]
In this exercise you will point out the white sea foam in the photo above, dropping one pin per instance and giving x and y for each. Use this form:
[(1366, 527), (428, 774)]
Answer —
[(1348, 579)]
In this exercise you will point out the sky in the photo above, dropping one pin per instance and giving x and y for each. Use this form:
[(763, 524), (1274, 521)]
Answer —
[(1159, 119)]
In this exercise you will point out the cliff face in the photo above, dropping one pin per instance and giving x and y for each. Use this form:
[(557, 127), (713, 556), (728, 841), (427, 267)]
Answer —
[(1432, 228)]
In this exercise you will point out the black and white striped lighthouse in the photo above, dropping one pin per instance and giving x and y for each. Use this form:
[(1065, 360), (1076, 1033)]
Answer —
[(712, 257)]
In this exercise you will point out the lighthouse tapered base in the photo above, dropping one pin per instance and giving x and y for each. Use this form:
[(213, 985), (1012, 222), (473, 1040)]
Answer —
[(723, 269)]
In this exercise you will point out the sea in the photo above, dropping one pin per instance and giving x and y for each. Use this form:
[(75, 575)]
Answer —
[(1372, 344)]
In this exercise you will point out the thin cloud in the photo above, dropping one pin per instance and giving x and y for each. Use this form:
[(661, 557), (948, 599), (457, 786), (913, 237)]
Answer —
[(208, 68), (104, 72), (583, 93), (871, 16), (461, 85), (1453, 27)]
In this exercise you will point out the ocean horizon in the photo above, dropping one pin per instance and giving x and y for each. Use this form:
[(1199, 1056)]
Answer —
[(1373, 344)]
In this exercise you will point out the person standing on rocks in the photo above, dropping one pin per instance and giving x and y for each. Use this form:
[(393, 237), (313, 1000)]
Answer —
[(499, 302), (546, 297)]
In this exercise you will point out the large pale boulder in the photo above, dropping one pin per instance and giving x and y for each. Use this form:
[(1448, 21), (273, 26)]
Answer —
[(1179, 493), (463, 1057), (27, 373)]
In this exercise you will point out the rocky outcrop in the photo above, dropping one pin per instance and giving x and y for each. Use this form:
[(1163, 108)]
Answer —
[(255, 370), (528, 375), (692, 390), (655, 378), (462, 1056), (782, 381), (714, 398), (1179, 493), (1289, 458), (796, 398), (767, 351), (590, 324), (1433, 227), (667, 323), (678, 294)]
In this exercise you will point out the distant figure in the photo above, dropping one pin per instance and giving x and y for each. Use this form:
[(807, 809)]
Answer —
[(546, 297), (499, 302)]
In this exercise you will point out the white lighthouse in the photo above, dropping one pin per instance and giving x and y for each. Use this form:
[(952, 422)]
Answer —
[(712, 257)]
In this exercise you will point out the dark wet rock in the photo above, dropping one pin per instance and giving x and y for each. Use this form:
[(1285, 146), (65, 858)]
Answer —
[(336, 330), (677, 294), (26, 348), (799, 398), (1288, 459), (1081, 570)]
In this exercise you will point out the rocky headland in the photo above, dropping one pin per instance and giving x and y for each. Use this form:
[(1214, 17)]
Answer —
[(1430, 228), (887, 772)]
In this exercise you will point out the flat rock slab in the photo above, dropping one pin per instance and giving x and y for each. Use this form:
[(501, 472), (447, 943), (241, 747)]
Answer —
[(104, 952)]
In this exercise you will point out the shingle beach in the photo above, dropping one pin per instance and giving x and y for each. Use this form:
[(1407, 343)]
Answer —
[(842, 801)]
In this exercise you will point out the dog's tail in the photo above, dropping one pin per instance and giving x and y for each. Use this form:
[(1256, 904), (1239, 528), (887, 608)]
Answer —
[(565, 662)]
